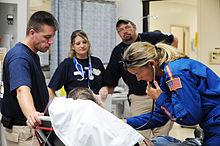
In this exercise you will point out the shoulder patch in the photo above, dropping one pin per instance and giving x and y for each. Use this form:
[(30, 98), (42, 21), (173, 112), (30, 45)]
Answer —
[(174, 84)]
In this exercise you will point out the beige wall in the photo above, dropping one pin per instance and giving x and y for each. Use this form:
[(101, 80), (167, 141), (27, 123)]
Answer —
[(36, 5), (208, 30), (172, 13), (163, 14)]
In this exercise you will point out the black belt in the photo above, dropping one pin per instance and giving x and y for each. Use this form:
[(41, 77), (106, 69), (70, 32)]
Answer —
[(8, 122)]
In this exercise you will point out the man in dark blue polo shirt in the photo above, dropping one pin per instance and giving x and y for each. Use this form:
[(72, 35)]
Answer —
[(25, 90), (137, 89)]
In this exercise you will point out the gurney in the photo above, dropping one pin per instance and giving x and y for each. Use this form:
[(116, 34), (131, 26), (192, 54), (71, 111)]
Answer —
[(83, 123), (45, 133)]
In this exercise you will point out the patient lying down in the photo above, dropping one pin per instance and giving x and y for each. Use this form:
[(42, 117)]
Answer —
[(82, 122)]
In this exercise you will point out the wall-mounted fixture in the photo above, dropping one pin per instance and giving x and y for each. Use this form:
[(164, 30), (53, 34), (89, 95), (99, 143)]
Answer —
[(214, 57), (10, 19)]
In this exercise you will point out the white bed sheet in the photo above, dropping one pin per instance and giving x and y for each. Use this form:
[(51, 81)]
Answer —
[(84, 123)]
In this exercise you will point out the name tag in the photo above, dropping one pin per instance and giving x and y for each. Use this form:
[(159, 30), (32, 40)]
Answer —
[(86, 68), (96, 72), (77, 73)]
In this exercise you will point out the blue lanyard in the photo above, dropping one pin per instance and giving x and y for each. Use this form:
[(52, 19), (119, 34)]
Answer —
[(79, 67)]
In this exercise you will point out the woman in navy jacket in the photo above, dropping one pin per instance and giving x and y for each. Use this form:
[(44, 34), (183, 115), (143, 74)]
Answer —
[(189, 92)]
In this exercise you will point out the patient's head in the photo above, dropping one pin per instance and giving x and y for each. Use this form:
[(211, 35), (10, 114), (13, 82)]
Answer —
[(82, 93)]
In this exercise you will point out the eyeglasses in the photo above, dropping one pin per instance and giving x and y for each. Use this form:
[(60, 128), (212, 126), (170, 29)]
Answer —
[(128, 27)]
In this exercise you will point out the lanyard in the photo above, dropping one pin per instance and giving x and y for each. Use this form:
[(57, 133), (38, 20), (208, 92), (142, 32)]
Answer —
[(79, 67)]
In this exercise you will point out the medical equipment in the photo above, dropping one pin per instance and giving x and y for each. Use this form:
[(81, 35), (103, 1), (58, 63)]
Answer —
[(80, 69), (152, 110), (45, 133)]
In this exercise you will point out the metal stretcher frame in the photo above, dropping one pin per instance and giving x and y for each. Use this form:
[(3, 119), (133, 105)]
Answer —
[(44, 139), (46, 136)]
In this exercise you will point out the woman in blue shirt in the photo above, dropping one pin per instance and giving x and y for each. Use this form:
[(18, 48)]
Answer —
[(189, 91), (80, 69)]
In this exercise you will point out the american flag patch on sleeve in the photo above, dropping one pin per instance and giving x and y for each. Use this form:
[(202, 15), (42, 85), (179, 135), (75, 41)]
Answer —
[(174, 84)]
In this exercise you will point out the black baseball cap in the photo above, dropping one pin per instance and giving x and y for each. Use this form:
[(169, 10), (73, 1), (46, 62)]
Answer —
[(125, 21)]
